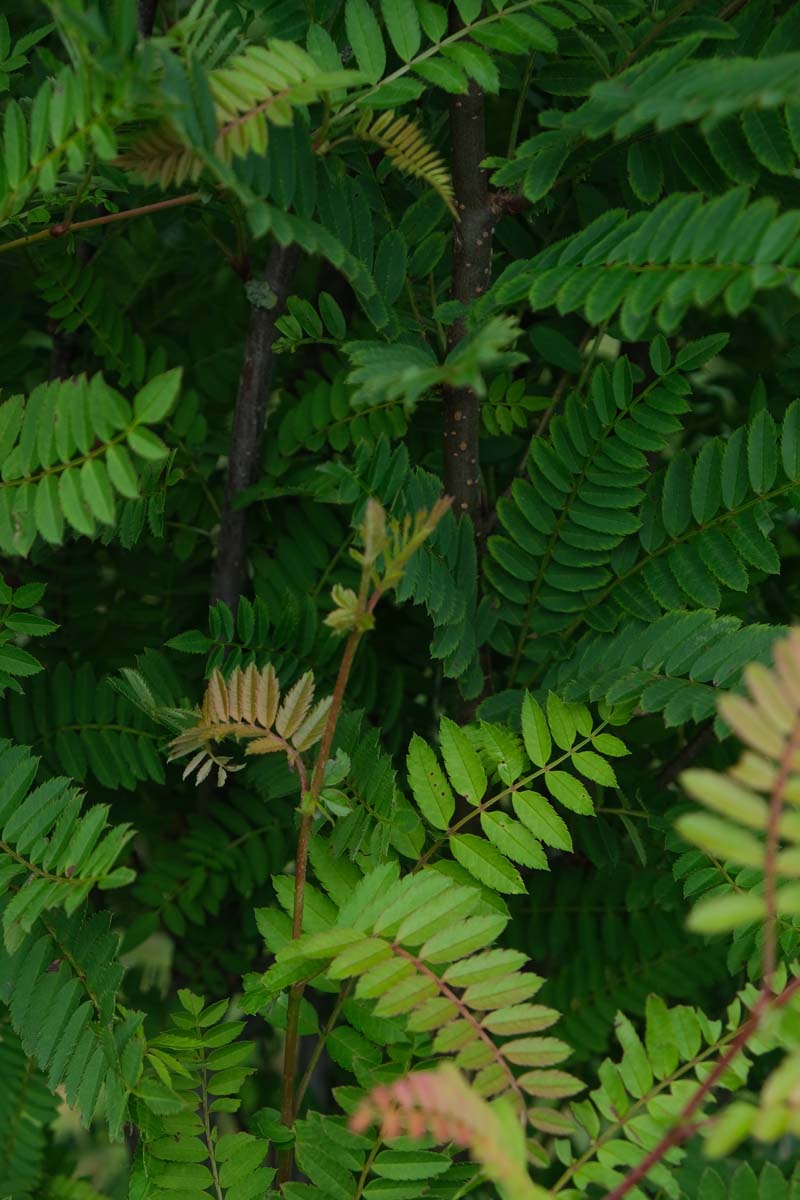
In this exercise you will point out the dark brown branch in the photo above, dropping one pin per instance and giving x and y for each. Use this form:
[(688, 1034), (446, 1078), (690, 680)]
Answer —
[(472, 264), (146, 16), (686, 755), (247, 435)]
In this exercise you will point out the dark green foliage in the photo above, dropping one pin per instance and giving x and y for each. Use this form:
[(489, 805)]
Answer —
[(26, 1109), (218, 215)]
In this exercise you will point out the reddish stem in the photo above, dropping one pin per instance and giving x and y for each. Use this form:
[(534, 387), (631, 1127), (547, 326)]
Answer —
[(291, 1043), (683, 1127), (466, 1015)]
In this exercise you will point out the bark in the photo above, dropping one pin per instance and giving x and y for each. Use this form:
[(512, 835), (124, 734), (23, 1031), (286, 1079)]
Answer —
[(146, 16), (472, 265), (247, 435)]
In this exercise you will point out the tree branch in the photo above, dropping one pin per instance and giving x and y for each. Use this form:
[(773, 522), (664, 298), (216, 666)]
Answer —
[(472, 264), (146, 16), (247, 435), (64, 227), (686, 755)]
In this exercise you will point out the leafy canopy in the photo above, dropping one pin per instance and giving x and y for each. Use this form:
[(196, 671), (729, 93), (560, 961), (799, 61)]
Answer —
[(399, 671)]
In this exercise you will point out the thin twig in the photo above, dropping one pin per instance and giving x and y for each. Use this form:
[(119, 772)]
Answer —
[(64, 227), (288, 1104), (321, 1042)]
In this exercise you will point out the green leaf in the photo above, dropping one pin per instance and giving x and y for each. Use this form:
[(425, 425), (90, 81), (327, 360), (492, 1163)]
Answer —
[(464, 767), (402, 23), (513, 840), (145, 443), (390, 265), (193, 641), (790, 441), (635, 1068), (607, 744), (723, 914), (73, 503), (543, 169), (429, 784), (535, 732), (157, 398), (97, 490), (364, 35), (49, 517), (660, 355), (410, 1164), (676, 509), (15, 661), (486, 864), (570, 792), (541, 818), (593, 767), (721, 839), (121, 472), (561, 721), (697, 354), (332, 315), (16, 143), (762, 452)]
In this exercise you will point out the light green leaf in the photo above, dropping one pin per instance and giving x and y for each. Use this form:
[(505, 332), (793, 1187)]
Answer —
[(570, 792), (486, 864), (541, 818), (410, 1164), (47, 510), (535, 732), (429, 784), (144, 442), (561, 721), (722, 914), (593, 767), (608, 744), (157, 398), (122, 472), (635, 1068), (73, 503), (721, 839), (730, 1128), (514, 840), (97, 490), (464, 767)]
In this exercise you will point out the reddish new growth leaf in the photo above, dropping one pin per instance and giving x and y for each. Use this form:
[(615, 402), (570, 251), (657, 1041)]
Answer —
[(442, 1103)]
